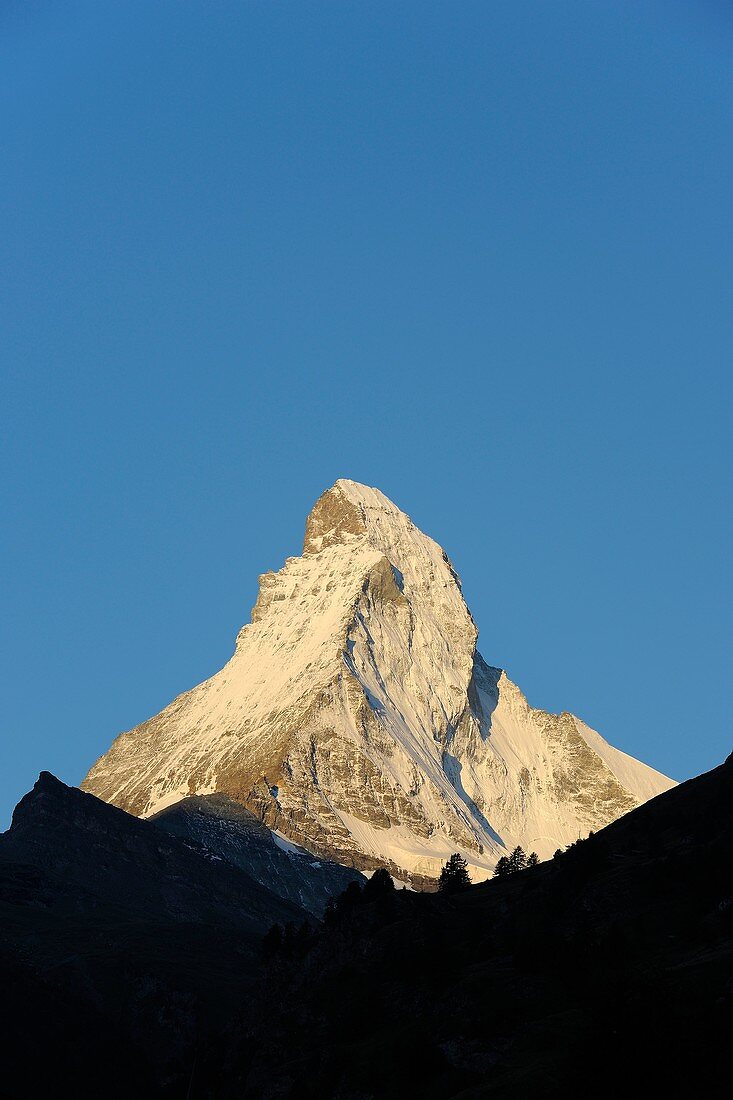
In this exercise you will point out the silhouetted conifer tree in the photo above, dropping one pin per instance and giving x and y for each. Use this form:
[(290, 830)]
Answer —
[(517, 860), (502, 868), (454, 875), (379, 886), (349, 899)]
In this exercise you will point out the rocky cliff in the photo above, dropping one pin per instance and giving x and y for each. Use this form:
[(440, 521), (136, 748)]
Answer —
[(357, 718)]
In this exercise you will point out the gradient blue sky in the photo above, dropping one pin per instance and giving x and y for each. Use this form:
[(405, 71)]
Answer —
[(476, 254)]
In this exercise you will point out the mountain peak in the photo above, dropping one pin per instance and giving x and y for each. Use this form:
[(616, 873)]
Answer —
[(357, 717), (348, 511), (47, 790), (335, 516), (47, 781), (50, 800)]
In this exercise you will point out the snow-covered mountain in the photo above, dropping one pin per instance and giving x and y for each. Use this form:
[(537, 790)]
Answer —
[(357, 718)]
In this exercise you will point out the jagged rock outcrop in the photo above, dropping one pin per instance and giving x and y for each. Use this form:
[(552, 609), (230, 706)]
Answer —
[(357, 717)]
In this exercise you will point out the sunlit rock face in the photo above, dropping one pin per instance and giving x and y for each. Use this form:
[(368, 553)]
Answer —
[(357, 718)]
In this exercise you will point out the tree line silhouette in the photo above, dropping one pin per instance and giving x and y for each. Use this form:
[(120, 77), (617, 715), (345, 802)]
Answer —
[(517, 861), (294, 941)]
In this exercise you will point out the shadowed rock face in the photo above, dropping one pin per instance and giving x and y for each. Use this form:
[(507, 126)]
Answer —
[(357, 718), (229, 830)]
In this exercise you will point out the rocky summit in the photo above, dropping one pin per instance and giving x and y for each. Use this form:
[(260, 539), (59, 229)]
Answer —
[(358, 720)]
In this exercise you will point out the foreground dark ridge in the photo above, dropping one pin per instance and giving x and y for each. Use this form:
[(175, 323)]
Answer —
[(117, 942), (606, 971), (133, 961)]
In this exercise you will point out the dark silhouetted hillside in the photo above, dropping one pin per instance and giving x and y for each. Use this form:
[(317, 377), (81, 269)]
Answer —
[(121, 947), (607, 971), (135, 963)]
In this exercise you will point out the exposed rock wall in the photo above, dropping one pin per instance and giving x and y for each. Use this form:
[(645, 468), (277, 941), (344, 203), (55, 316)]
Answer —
[(357, 717)]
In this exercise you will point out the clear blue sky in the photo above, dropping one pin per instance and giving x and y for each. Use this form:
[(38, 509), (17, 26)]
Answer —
[(476, 254)]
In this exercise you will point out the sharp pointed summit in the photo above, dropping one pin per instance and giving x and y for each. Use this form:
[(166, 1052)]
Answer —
[(358, 719)]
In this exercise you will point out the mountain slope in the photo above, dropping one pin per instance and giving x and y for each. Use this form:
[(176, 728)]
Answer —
[(91, 850), (229, 830), (357, 718), (121, 948)]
